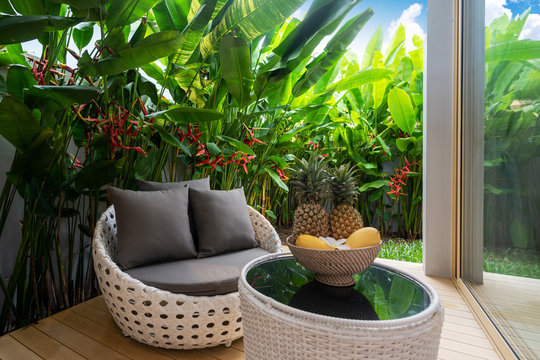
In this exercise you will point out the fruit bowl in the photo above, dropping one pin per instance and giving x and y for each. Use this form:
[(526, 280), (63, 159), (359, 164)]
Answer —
[(335, 267)]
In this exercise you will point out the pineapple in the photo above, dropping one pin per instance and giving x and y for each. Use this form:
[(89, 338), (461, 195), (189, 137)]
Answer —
[(344, 218), (309, 184)]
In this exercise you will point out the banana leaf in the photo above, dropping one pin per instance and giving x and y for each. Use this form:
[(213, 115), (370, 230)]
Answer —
[(151, 48), (235, 68), (99, 173), (334, 50), (59, 97), (82, 34), (188, 115), (249, 19), (19, 78), (125, 12), (237, 144), (12, 54), (374, 44), (29, 7), (519, 50), (18, 29), (17, 125), (81, 4)]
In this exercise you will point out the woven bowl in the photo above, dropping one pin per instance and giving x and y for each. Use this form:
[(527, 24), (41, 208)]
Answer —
[(335, 267)]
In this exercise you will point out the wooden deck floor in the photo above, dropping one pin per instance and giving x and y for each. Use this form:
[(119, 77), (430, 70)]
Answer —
[(87, 331)]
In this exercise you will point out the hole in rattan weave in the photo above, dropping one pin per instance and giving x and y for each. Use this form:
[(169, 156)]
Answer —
[(112, 216), (130, 289), (210, 325), (137, 322), (114, 305), (165, 336), (130, 329), (209, 335), (211, 312), (148, 315), (168, 343), (99, 266), (163, 303), (179, 303), (164, 327), (131, 301), (125, 318), (195, 314), (163, 316), (195, 326), (237, 329), (180, 337), (195, 302), (108, 283), (225, 323), (152, 334), (179, 327), (239, 319), (150, 325), (194, 336), (224, 333), (140, 332), (179, 316), (117, 315), (123, 309), (147, 303), (134, 312), (119, 298), (114, 225), (117, 287), (226, 310), (107, 271), (155, 342)]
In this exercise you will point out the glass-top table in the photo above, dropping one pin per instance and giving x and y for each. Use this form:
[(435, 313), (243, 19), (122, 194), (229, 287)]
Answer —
[(386, 312)]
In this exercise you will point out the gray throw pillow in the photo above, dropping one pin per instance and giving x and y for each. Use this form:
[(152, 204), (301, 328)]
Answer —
[(201, 184), (221, 221), (152, 226)]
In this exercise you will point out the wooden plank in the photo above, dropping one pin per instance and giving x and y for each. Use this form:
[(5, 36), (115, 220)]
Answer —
[(103, 318), (11, 349), (76, 341), (113, 339), (480, 341), (43, 345), (223, 353), (468, 349), (238, 344), (448, 354), (98, 302)]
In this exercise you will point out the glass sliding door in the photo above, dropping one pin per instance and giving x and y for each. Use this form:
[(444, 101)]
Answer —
[(500, 176)]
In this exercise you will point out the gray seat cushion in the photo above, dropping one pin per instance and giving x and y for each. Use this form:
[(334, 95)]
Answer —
[(201, 184), (208, 276)]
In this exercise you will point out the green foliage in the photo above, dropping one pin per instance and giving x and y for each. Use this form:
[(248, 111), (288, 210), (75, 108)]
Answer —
[(515, 262), (401, 250)]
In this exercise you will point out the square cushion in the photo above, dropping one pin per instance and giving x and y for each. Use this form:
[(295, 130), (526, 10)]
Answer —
[(201, 184), (221, 220), (152, 226)]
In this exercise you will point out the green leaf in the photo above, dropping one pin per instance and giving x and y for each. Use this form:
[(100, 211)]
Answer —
[(403, 143), (249, 19), (12, 54), (276, 179), (194, 31), (519, 50), (377, 184), (188, 115), (237, 144), (37, 159), (29, 7), (97, 174), (400, 296), (80, 4), (213, 149), (82, 34), (172, 140), (17, 125), (154, 71), (401, 109), (334, 50), (59, 97), (235, 59), (19, 78), (5, 7), (18, 29), (151, 48), (374, 44), (125, 12)]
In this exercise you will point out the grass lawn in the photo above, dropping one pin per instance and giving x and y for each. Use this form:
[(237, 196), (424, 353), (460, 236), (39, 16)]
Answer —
[(400, 249), (517, 262)]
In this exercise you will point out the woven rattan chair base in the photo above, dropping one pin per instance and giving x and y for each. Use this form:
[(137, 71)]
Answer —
[(163, 319), (274, 331)]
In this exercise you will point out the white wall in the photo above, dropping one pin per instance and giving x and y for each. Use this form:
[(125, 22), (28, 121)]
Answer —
[(438, 138)]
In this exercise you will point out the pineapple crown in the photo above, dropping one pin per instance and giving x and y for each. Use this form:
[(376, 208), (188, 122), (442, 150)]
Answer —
[(342, 185), (310, 179)]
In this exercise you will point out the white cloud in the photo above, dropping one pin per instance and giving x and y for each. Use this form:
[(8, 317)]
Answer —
[(531, 29), (495, 8), (408, 19)]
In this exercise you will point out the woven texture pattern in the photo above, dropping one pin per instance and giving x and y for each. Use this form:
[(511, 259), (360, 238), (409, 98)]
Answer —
[(335, 267), (274, 331), (161, 318)]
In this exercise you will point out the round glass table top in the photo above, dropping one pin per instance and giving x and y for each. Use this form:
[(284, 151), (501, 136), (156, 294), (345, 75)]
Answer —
[(378, 294)]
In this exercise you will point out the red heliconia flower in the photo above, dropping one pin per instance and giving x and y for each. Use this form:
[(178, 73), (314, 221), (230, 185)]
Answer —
[(400, 178)]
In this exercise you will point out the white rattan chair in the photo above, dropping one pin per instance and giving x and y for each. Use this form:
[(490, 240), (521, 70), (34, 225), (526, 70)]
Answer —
[(161, 318)]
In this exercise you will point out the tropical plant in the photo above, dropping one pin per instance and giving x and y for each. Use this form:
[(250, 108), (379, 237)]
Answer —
[(512, 135)]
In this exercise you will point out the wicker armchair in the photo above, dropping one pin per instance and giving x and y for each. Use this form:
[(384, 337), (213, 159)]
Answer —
[(161, 318)]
